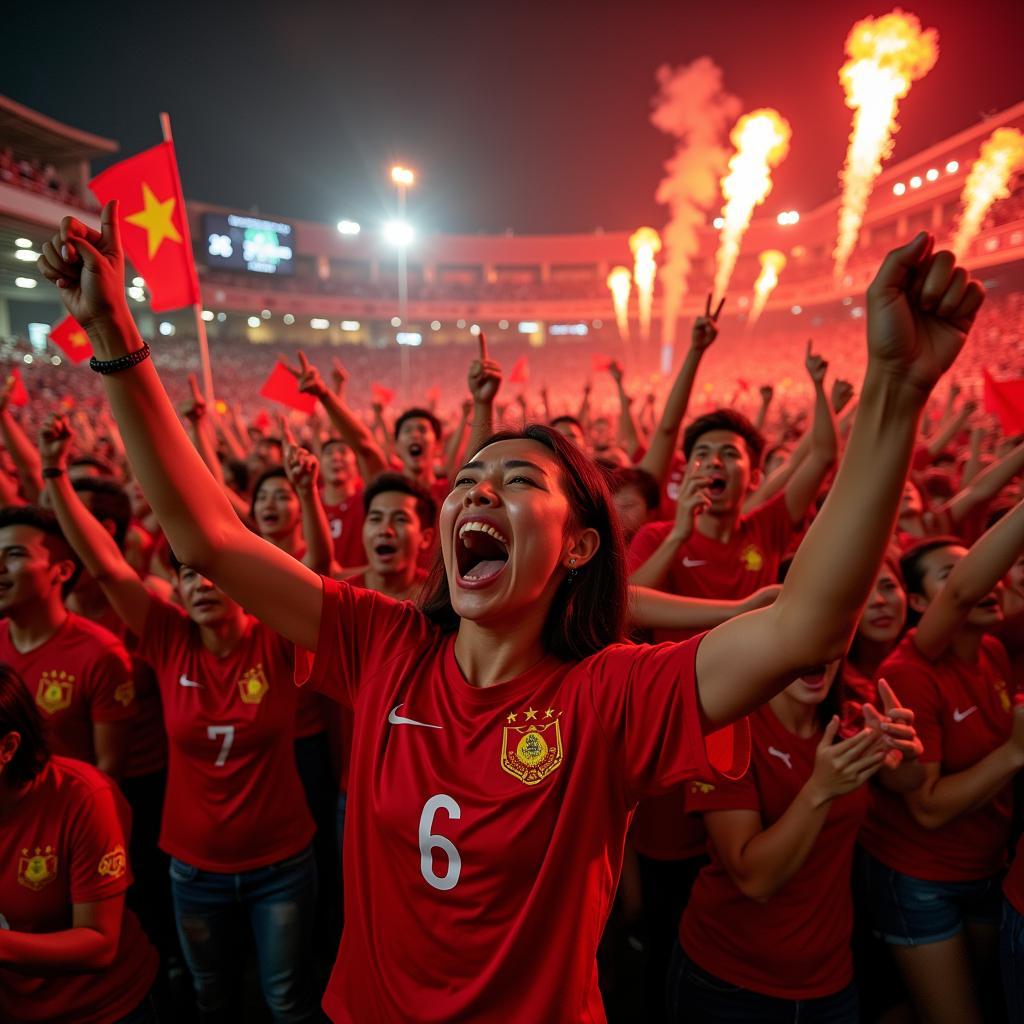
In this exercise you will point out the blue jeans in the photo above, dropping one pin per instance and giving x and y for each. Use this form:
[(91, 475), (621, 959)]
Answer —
[(144, 1013), (696, 995), (1011, 962), (280, 903)]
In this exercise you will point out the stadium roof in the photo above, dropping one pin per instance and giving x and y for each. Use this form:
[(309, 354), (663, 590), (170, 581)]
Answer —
[(33, 134)]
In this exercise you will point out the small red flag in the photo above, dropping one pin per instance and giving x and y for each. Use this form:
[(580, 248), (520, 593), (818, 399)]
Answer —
[(381, 395), (282, 387), (599, 362), (262, 420), (1005, 398), (70, 337), (520, 371), (18, 395), (154, 224)]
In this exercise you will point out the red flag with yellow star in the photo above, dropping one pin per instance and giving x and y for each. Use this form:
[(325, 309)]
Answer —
[(71, 339), (154, 225)]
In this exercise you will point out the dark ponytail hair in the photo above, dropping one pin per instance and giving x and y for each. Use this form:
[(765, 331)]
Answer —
[(19, 714), (589, 612)]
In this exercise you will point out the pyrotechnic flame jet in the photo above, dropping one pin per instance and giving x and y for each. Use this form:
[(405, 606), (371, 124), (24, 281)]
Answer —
[(1002, 154), (645, 244), (772, 264), (761, 139), (620, 284), (886, 55)]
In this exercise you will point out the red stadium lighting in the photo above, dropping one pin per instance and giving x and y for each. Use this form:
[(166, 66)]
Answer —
[(932, 174), (899, 188), (915, 181), (952, 167)]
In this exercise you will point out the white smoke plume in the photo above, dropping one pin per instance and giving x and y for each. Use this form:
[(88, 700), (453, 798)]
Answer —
[(692, 106)]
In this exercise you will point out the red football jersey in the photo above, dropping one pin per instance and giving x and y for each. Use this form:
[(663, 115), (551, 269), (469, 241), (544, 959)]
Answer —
[(234, 800), (708, 568), (673, 482), (65, 842), (81, 675), (795, 945), (961, 713), (346, 522), (486, 825)]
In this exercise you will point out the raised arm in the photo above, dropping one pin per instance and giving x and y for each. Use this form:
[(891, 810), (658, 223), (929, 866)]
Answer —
[(370, 458), (822, 449), (23, 452), (88, 268), (920, 308), (973, 578), (93, 544), (627, 433), (767, 393), (484, 383), (663, 441), (303, 469), (986, 485)]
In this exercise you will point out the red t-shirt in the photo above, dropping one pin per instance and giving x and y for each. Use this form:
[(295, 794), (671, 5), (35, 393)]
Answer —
[(486, 825), (670, 489), (148, 750), (704, 567), (961, 713), (81, 675), (234, 800), (63, 843), (795, 945), (1013, 884), (346, 522)]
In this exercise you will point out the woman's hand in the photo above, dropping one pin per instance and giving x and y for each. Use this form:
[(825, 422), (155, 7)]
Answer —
[(920, 307), (839, 768), (87, 267)]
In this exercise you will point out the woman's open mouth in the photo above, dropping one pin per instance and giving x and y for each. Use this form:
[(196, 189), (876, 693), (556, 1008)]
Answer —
[(481, 553)]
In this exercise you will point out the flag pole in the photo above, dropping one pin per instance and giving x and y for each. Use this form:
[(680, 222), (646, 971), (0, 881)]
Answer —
[(197, 309)]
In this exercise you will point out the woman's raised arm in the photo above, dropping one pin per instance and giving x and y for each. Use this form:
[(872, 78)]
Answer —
[(201, 526)]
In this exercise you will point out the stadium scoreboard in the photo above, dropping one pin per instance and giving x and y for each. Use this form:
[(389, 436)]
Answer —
[(238, 242)]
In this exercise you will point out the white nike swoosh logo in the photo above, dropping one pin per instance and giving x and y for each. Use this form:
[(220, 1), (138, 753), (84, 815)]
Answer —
[(396, 719), (692, 563), (183, 680), (959, 716)]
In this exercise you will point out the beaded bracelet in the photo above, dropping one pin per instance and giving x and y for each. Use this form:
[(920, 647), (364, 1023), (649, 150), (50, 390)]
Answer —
[(105, 366)]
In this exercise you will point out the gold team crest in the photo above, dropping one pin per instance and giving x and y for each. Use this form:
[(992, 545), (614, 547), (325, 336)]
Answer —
[(253, 686), (113, 864), (125, 693), (701, 787), (37, 870), (531, 751), (55, 691), (753, 560), (1004, 697)]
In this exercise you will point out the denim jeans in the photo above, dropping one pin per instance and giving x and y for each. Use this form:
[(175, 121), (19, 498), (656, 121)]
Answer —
[(280, 904), (1011, 962), (144, 1013), (696, 995)]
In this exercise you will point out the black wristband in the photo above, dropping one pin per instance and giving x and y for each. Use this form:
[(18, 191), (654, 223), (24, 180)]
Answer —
[(52, 472), (105, 366)]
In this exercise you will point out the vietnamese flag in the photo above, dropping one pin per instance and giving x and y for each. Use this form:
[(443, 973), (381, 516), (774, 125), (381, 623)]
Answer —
[(599, 362), (281, 386), (520, 372), (1005, 398), (70, 337), (381, 395), (153, 223), (17, 394)]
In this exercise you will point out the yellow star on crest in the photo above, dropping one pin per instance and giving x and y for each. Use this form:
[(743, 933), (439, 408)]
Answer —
[(78, 339), (155, 218), (512, 717), (530, 713)]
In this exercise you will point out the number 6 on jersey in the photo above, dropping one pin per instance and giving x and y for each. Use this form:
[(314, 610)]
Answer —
[(430, 842)]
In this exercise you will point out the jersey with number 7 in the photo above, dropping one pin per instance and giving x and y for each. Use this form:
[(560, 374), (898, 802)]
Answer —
[(484, 831), (234, 800)]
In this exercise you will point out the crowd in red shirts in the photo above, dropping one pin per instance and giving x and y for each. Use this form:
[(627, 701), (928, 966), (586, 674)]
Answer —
[(173, 807)]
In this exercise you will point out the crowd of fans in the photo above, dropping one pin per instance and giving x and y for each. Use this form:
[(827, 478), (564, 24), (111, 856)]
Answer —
[(35, 176), (810, 812)]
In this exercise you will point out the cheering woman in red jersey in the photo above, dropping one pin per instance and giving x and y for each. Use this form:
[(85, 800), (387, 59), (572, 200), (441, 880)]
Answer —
[(69, 950), (503, 735)]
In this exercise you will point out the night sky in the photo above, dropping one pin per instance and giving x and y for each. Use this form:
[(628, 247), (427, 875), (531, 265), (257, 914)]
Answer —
[(530, 116)]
